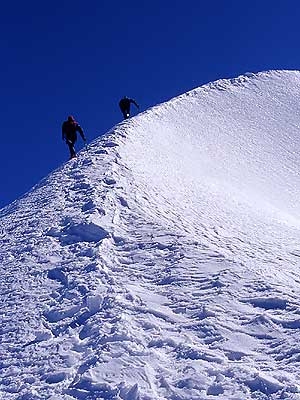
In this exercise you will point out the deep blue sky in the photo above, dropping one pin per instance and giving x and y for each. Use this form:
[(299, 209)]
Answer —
[(79, 57)]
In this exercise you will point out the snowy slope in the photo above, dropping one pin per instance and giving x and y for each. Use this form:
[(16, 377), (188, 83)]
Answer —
[(163, 263)]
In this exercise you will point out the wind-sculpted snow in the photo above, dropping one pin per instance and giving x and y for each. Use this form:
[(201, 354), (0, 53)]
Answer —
[(163, 263)]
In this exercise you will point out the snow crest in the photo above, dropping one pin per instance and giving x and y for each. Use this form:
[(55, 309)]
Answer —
[(163, 262)]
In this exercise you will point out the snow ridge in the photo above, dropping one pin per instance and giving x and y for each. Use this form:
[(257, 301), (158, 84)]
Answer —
[(163, 263)]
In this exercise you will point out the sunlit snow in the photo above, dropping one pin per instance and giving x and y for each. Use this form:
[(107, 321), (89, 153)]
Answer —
[(163, 262)]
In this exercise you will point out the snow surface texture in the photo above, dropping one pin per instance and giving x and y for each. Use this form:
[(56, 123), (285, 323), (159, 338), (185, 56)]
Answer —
[(163, 263)]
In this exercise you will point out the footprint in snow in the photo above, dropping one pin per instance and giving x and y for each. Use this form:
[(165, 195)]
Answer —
[(110, 144), (58, 275), (109, 181)]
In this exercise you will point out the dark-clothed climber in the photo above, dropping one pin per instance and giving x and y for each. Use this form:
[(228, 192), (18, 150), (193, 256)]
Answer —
[(69, 134)]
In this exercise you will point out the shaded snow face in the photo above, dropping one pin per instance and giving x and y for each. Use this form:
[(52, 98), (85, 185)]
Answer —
[(163, 262), (227, 149)]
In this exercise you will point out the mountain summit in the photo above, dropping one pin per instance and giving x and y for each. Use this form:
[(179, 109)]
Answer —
[(163, 262)]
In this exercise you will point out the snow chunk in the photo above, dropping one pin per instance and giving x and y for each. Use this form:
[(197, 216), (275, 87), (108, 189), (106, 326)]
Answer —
[(264, 383), (56, 377), (267, 303), (79, 232)]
